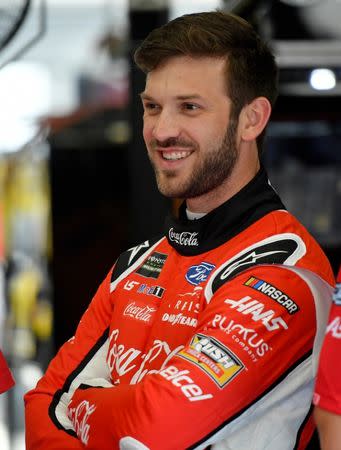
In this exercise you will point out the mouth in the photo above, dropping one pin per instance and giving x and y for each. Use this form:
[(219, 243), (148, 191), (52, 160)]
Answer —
[(175, 156)]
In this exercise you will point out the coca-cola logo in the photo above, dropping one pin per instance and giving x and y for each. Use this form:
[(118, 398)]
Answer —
[(185, 238), (79, 417), (143, 313), (122, 360)]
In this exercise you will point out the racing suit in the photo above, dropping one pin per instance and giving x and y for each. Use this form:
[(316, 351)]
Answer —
[(327, 393), (6, 377), (206, 336)]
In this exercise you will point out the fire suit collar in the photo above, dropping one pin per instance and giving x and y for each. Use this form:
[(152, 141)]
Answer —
[(253, 201)]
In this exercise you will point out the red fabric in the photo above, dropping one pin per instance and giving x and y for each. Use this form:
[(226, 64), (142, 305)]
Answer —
[(161, 389), (328, 384), (6, 377)]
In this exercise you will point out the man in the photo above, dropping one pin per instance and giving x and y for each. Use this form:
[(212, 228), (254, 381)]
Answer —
[(208, 335), (327, 395)]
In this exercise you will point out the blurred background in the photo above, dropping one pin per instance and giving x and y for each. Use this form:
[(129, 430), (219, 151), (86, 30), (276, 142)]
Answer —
[(75, 184)]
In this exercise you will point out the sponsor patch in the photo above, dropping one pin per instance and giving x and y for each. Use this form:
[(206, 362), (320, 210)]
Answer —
[(143, 288), (276, 249), (156, 291), (153, 265), (337, 294), (185, 238), (255, 308), (199, 273), (122, 360), (249, 340), (134, 251), (182, 380), (143, 313), (213, 358), (79, 417), (275, 294), (180, 319), (190, 301)]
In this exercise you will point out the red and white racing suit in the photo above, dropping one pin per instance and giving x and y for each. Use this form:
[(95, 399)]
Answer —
[(207, 336), (327, 393)]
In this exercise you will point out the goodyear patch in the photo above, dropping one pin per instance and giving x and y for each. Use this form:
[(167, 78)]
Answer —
[(275, 294), (216, 360)]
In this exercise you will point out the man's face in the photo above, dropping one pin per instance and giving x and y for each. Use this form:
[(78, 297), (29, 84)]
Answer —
[(190, 140)]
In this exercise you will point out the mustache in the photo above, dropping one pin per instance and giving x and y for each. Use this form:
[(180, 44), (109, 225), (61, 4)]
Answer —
[(170, 142)]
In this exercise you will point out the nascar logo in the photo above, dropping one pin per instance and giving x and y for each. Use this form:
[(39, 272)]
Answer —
[(275, 294)]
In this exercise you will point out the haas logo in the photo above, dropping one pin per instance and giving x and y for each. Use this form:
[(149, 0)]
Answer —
[(247, 305)]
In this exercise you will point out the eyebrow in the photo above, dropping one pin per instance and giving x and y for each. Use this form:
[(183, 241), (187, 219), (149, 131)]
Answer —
[(145, 96)]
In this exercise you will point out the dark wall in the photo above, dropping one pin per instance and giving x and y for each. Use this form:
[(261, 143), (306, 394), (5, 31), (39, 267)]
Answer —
[(90, 195)]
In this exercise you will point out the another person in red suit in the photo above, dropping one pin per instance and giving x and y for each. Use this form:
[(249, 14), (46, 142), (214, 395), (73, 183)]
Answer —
[(327, 396), (6, 377)]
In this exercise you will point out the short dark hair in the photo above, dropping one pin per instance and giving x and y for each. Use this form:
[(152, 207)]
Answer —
[(250, 65)]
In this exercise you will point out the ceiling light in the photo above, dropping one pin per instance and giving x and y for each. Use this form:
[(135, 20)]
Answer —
[(322, 79)]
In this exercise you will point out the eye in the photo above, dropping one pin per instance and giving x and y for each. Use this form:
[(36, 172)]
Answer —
[(151, 107), (190, 106)]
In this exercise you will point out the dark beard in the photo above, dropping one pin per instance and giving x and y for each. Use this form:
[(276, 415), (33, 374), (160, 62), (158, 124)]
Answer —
[(214, 169)]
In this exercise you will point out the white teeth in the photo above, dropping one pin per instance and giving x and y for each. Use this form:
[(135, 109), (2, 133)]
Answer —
[(175, 155)]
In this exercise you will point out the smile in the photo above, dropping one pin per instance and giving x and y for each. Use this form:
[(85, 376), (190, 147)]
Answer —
[(174, 156)]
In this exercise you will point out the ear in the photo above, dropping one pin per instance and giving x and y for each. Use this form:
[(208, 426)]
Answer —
[(253, 118)]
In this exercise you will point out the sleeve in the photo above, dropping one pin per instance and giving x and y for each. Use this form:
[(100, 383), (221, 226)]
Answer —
[(81, 358), (6, 377), (327, 393), (256, 331)]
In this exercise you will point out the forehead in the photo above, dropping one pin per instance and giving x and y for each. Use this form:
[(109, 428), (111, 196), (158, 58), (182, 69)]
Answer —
[(181, 75)]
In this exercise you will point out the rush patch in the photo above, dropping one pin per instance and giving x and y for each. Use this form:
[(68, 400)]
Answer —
[(199, 273), (213, 358), (275, 294), (153, 265)]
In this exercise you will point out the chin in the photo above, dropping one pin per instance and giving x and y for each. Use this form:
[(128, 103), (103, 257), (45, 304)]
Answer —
[(169, 191)]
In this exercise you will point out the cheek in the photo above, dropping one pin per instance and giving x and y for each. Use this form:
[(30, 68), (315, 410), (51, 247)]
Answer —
[(209, 132), (147, 131)]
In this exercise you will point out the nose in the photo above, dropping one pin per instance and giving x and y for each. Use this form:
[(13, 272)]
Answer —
[(165, 126)]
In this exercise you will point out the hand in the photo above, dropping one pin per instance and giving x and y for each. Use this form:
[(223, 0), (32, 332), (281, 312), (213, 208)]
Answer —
[(79, 413), (80, 408)]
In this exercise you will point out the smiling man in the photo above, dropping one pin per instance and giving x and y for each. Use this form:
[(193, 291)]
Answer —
[(207, 335), (190, 137)]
